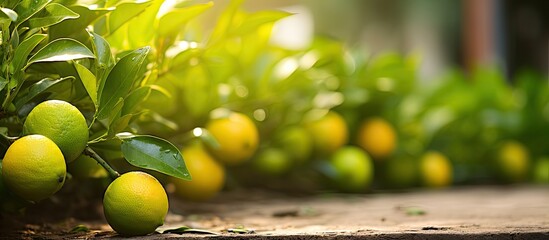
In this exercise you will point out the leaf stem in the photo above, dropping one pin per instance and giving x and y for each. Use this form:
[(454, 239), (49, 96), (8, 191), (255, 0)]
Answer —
[(113, 173)]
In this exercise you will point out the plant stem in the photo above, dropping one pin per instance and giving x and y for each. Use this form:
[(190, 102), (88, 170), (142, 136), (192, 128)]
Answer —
[(113, 173)]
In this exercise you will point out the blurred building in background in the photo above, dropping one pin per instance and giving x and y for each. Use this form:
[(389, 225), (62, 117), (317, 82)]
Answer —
[(510, 34)]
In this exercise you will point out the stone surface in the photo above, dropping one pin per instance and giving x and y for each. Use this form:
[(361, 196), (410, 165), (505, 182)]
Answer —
[(511, 212)]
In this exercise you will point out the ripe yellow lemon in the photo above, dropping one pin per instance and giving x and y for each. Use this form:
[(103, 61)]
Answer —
[(34, 168), (435, 170), (208, 176), (377, 137), (328, 133), (135, 204), (237, 136), (61, 122), (512, 161)]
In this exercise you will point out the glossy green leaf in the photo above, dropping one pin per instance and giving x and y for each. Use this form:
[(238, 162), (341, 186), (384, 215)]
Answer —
[(119, 124), (27, 8), (3, 83), (60, 50), (173, 21), (88, 80), (52, 14), (258, 19), (71, 26), (36, 89), (140, 28), (120, 80), (122, 14), (135, 98), (105, 60), (9, 14), (188, 230), (154, 153), (225, 21), (23, 51)]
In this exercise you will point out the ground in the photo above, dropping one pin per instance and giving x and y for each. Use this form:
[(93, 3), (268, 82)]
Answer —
[(494, 212)]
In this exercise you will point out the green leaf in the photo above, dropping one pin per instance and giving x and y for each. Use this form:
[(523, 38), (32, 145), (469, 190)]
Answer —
[(9, 14), (104, 59), (140, 28), (120, 81), (225, 21), (23, 50), (154, 153), (123, 13), (173, 21), (79, 228), (3, 83), (89, 82), (68, 27), (36, 89), (185, 229), (27, 8), (52, 14), (63, 49), (135, 98), (258, 19)]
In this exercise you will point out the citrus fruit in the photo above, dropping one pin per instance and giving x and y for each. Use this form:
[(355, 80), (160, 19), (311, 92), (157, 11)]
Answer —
[(272, 161), (328, 132), (135, 204), (208, 176), (86, 167), (435, 170), (62, 123), (541, 170), (377, 137), (296, 142), (354, 169), (34, 168), (512, 161), (237, 136)]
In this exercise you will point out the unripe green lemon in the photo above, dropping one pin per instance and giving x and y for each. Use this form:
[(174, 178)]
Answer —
[(61, 122), (355, 170)]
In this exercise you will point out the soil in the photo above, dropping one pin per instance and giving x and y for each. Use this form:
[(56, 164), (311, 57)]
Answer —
[(488, 212)]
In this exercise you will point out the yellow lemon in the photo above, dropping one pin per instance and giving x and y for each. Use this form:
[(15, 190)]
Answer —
[(34, 168), (135, 204), (435, 170), (328, 133), (237, 136), (208, 176), (377, 137)]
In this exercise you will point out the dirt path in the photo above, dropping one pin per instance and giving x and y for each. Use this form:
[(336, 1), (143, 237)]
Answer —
[(463, 213)]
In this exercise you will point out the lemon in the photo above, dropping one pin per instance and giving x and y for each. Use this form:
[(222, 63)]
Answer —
[(377, 137), (237, 136), (512, 161), (435, 170), (296, 142), (208, 176), (273, 161), (354, 168), (541, 171), (61, 122), (328, 132), (34, 168), (135, 204), (86, 167)]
